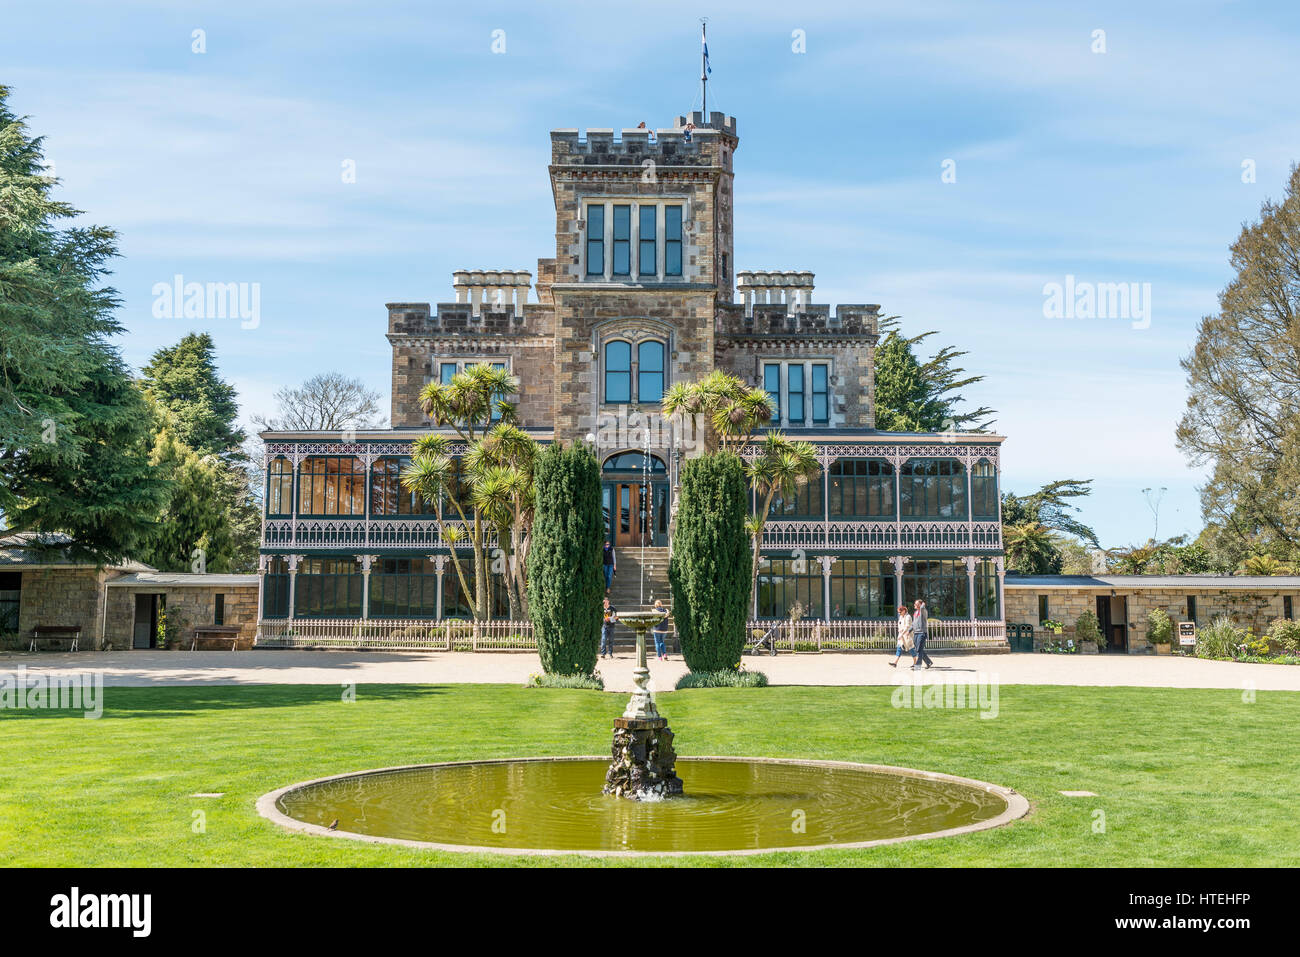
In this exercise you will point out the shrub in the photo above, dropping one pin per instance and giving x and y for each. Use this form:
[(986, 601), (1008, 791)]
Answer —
[(726, 678), (1286, 632), (710, 566), (591, 682), (1219, 639), (1087, 627), (565, 582), (1160, 627)]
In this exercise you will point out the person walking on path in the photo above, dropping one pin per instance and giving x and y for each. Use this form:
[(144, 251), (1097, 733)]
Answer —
[(660, 630), (607, 630), (610, 566), (905, 641), (920, 631)]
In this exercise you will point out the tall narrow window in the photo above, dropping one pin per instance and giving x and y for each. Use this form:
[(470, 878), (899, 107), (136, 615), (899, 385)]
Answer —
[(446, 372), (672, 240), (1287, 610), (772, 384), (618, 371), (645, 262), (622, 240), (1191, 608), (279, 490), (595, 240), (794, 394), (821, 398), (650, 372), (219, 610), (1043, 610)]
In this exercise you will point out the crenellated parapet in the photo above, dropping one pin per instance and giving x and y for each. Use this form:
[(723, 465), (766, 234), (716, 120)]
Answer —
[(691, 142), (811, 319)]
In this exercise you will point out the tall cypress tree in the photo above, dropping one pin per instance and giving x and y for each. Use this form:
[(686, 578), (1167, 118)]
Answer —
[(74, 441), (710, 564), (565, 583)]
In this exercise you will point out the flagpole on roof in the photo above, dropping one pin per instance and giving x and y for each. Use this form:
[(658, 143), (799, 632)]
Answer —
[(704, 68)]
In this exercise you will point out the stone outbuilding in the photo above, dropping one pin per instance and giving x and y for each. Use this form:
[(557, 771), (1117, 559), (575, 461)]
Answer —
[(44, 584), (1122, 603)]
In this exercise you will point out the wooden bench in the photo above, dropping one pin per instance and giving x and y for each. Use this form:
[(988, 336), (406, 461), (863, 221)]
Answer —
[(56, 633), (228, 633)]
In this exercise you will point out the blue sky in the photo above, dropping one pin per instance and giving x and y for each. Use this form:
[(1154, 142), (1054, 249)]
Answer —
[(1122, 166)]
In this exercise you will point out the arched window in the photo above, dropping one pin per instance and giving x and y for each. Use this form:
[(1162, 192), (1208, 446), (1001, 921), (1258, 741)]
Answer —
[(618, 371), (984, 491), (279, 487), (634, 462), (933, 489), (650, 371)]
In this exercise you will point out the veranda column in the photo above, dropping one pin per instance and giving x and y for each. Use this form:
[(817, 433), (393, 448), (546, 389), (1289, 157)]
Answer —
[(366, 561), (293, 582), (897, 561), (826, 561), (439, 566), (970, 584), (262, 561), (295, 458), (1002, 613)]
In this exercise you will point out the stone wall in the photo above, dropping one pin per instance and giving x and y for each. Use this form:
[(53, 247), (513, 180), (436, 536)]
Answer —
[(62, 596), (847, 340), (186, 607), (1248, 608)]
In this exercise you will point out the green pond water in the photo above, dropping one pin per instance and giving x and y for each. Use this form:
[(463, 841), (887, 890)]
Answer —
[(728, 806)]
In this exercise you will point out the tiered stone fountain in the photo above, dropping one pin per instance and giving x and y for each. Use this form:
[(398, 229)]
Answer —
[(644, 759)]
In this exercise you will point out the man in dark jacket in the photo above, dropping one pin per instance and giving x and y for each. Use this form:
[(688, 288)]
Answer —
[(920, 631)]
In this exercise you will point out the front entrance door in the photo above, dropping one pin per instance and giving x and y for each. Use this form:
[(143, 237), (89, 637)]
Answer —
[(145, 633), (632, 518)]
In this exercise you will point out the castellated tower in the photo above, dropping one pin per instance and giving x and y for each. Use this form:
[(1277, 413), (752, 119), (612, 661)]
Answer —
[(643, 256)]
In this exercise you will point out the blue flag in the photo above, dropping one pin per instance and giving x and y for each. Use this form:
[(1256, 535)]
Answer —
[(707, 69)]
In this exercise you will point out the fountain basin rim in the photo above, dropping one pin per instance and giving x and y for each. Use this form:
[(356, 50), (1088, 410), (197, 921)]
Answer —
[(1017, 807)]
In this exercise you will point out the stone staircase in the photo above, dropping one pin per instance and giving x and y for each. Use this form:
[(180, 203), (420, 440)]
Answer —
[(626, 593)]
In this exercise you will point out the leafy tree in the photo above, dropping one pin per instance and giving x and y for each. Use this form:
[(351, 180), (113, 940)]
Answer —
[(193, 532), (1051, 507), (1264, 565), (325, 402), (731, 411), (1031, 549), (1243, 384), (710, 563), (204, 409), (73, 427), (566, 584), (916, 396), (779, 468), (467, 404), (212, 521)]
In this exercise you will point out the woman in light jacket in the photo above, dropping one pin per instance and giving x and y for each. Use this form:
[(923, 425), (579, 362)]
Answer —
[(905, 640)]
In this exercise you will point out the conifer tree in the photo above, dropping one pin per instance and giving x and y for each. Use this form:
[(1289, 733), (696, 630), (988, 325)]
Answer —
[(565, 583), (74, 440)]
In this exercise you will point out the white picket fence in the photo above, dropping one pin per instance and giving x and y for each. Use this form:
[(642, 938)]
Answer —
[(857, 635), (397, 634), (409, 634)]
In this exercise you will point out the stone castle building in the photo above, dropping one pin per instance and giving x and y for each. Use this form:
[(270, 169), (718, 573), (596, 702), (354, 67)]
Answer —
[(642, 292)]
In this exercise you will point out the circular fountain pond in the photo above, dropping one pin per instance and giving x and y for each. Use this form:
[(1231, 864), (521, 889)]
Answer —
[(555, 805)]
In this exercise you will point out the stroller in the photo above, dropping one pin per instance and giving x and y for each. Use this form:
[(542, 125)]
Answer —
[(766, 640)]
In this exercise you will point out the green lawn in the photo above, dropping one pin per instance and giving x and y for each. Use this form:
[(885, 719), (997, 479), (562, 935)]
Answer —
[(1184, 777)]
